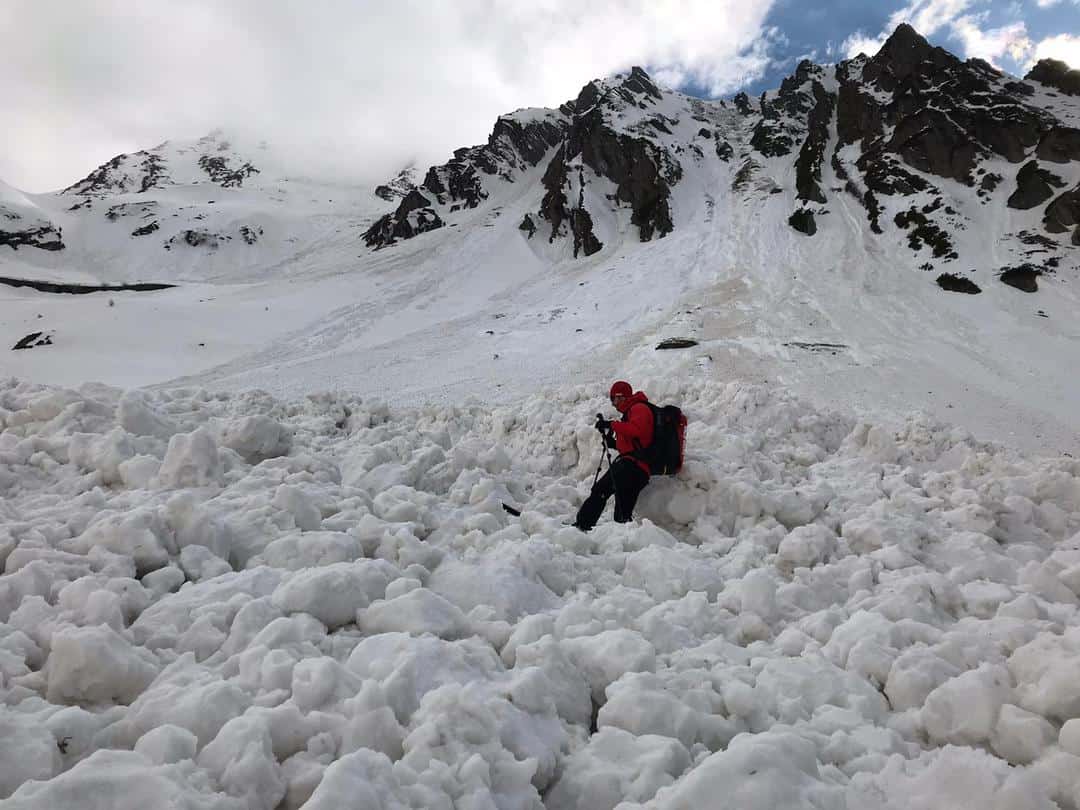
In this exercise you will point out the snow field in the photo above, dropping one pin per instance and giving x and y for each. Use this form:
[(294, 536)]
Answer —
[(230, 601)]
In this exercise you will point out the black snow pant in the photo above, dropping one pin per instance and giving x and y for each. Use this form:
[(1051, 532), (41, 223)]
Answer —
[(625, 480)]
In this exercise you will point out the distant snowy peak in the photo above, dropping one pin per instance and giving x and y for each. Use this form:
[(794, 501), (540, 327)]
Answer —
[(23, 224), (211, 159)]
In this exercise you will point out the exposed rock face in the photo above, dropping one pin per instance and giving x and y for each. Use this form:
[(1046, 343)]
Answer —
[(414, 216), (953, 283), (517, 143), (1064, 212), (1056, 74), (1034, 186), (808, 164), (1024, 278), (1060, 145), (43, 237), (803, 221), (904, 118), (225, 175)]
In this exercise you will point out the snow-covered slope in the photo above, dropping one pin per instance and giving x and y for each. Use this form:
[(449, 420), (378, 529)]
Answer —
[(522, 263)]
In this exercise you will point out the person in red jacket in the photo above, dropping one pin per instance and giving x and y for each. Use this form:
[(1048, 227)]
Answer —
[(627, 475)]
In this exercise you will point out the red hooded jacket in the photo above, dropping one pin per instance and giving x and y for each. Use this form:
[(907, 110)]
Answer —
[(635, 430)]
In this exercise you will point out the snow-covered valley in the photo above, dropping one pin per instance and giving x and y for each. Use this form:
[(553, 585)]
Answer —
[(252, 534)]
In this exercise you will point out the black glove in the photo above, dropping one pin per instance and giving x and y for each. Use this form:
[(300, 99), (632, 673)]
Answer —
[(609, 440), (602, 424)]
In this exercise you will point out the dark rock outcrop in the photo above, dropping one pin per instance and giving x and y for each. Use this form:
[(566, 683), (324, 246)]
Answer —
[(1034, 186), (414, 216), (812, 154), (1064, 212), (742, 103), (1024, 277), (803, 221), (43, 237), (924, 231), (527, 225), (1056, 74), (1060, 145), (952, 283), (146, 229), (221, 172), (33, 340)]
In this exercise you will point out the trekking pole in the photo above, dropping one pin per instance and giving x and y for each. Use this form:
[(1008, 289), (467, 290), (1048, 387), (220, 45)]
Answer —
[(607, 454)]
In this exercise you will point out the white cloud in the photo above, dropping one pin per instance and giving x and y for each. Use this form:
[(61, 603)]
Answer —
[(1064, 47), (1011, 40), (859, 42), (372, 82)]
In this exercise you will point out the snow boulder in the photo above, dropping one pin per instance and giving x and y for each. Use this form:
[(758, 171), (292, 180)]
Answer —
[(27, 751), (604, 658), (417, 612), (617, 766), (123, 780), (96, 665), (167, 744), (763, 771), (190, 461), (334, 593), (135, 415), (805, 546), (964, 710), (255, 438)]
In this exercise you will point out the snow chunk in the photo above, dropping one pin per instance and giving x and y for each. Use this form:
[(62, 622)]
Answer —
[(947, 779), (334, 593), (191, 461), (361, 779), (416, 612), (96, 665), (309, 549), (617, 766), (27, 751), (199, 562), (670, 573), (139, 534), (241, 757), (1021, 736), (805, 546), (757, 772), (1045, 673), (167, 744), (255, 438), (604, 658), (123, 780), (135, 415), (964, 709)]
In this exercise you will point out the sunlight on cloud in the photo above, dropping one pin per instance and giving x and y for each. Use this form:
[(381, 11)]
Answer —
[(1064, 47), (1011, 40)]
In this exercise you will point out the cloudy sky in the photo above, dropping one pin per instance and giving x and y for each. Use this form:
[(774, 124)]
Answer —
[(369, 85)]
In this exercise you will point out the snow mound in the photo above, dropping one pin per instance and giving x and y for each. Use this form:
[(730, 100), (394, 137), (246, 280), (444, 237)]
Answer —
[(228, 601)]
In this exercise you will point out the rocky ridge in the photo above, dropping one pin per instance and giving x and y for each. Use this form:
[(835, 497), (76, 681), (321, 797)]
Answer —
[(920, 138)]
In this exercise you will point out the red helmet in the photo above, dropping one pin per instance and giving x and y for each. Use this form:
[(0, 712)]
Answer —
[(620, 388)]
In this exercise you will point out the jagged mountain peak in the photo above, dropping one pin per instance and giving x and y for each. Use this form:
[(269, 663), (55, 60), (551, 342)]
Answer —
[(908, 118)]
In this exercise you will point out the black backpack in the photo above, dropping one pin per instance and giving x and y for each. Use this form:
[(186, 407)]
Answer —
[(665, 454)]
